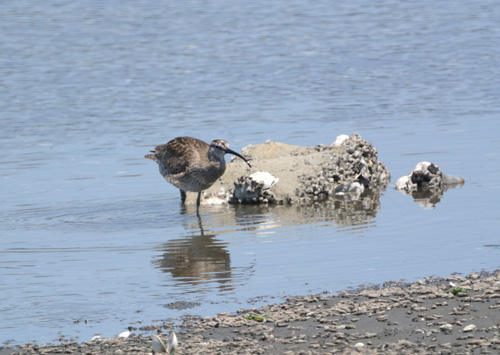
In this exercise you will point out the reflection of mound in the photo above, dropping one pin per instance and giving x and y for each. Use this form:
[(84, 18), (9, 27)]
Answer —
[(196, 260), (345, 212), (341, 212)]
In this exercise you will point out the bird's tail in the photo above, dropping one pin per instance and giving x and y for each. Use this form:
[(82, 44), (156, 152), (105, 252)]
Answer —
[(150, 156)]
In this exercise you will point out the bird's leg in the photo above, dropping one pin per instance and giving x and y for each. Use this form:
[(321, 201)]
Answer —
[(183, 196), (200, 224), (198, 204)]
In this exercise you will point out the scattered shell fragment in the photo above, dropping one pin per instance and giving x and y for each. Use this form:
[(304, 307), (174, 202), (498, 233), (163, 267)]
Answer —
[(446, 327), (124, 334), (96, 338), (172, 343), (340, 139), (470, 328), (158, 346)]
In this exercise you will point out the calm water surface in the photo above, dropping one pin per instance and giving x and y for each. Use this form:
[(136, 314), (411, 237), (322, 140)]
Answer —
[(89, 229)]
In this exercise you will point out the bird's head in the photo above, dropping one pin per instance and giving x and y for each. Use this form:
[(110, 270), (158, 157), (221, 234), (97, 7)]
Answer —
[(220, 145)]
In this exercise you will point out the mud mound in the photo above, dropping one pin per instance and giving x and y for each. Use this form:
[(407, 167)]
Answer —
[(287, 174)]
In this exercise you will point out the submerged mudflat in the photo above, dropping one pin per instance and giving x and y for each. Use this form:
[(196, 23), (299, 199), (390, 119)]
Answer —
[(434, 315)]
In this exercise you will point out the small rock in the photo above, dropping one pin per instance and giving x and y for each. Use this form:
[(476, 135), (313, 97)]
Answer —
[(446, 327), (473, 276), (427, 177), (469, 328)]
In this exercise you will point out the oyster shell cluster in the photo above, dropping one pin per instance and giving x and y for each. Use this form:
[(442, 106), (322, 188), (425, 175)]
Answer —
[(254, 188), (356, 167)]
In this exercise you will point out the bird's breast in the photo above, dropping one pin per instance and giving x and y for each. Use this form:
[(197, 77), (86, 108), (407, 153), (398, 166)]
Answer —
[(207, 175)]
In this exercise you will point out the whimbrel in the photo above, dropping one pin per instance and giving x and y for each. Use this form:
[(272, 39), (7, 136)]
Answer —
[(191, 164)]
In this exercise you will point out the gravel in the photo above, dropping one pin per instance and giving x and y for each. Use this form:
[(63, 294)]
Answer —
[(453, 315)]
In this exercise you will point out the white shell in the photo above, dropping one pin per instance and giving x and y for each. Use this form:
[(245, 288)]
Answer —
[(446, 327), (96, 338), (172, 343), (402, 182), (124, 335), (158, 346), (340, 139), (265, 178), (469, 328)]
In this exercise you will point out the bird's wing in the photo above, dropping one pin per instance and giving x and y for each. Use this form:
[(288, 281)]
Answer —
[(178, 154)]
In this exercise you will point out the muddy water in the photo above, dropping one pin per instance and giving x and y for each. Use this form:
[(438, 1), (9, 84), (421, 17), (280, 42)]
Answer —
[(90, 231)]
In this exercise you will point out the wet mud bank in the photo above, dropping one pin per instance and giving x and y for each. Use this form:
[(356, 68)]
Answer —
[(289, 174), (452, 315)]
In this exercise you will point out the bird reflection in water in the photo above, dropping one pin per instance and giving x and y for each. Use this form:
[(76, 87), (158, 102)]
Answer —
[(198, 259)]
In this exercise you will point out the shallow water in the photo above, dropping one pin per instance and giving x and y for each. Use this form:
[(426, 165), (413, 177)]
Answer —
[(90, 231)]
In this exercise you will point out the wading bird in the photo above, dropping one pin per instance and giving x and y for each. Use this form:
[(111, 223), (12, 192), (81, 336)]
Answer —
[(191, 164)]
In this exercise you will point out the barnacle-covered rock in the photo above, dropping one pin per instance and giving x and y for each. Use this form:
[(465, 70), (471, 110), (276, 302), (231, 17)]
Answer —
[(286, 174), (254, 188), (427, 183)]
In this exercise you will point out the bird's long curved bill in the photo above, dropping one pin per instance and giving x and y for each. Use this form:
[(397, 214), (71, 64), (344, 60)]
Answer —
[(229, 151)]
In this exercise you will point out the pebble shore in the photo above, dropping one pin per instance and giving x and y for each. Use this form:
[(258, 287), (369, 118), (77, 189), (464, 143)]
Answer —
[(453, 315)]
